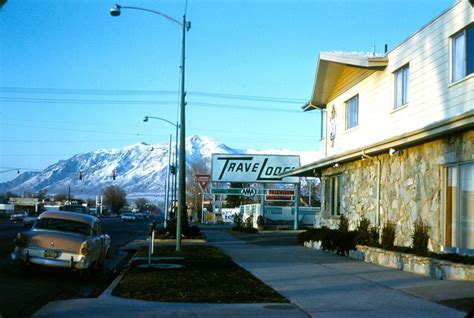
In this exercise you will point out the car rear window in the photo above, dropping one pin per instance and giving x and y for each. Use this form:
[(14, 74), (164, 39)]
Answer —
[(64, 226)]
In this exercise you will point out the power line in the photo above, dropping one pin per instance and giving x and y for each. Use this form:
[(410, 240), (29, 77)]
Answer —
[(76, 91), (136, 102)]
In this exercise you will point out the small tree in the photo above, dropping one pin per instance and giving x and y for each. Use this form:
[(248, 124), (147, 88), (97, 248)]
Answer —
[(388, 236), (238, 220), (114, 197), (249, 222), (141, 204), (61, 197), (366, 233), (420, 238)]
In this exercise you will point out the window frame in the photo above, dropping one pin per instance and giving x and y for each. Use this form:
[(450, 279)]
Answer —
[(404, 72), (451, 244), (349, 120), (468, 47), (335, 190)]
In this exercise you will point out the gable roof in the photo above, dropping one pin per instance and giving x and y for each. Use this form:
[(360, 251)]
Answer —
[(330, 67)]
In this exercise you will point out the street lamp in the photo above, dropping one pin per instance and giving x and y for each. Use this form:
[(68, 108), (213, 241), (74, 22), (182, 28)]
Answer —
[(145, 119), (115, 11)]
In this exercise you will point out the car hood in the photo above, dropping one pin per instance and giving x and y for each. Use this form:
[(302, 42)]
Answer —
[(55, 240)]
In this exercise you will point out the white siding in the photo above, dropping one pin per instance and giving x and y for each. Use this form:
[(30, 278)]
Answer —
[(432, 97)]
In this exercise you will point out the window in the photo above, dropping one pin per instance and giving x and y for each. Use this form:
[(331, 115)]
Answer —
[(401, 86), (352, 112), (462, 54), (334, 186), (459, 208)]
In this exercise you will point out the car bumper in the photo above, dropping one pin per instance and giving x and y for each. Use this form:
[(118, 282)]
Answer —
[(65, 260)]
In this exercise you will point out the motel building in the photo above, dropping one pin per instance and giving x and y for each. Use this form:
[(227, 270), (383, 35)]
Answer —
[(398, 134)]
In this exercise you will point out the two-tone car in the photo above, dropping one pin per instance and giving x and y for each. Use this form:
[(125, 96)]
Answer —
[(63, 239)]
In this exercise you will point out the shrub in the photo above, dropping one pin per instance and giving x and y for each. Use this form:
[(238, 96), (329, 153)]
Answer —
[(343, 224), (314, 235), (366, 234), (329, 239), (346, 242), (341, 240), (374, 236), (249, 222), (192, 232), (238, 220), (420, 238), (388, 236), (245, 229)]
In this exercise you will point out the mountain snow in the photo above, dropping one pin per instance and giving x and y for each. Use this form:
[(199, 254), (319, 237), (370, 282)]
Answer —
[(140, 169)]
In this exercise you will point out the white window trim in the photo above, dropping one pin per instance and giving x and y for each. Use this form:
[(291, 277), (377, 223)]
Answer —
[(405, 104), (346, 113), (444, 248), (453, 82)]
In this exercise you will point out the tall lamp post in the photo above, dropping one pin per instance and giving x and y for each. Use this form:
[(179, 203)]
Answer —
[(186, 25), (146, 119)]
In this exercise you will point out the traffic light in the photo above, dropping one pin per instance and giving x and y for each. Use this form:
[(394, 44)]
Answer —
[(81, 174), (172, 169), (113, 175)]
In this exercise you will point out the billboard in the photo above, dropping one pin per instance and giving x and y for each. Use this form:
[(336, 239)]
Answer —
[(253, 168)]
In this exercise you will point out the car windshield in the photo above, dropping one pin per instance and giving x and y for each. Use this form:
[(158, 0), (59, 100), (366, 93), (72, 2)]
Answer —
[(64, 226)]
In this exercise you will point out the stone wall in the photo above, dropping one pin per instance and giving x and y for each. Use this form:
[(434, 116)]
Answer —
[(411, 185)]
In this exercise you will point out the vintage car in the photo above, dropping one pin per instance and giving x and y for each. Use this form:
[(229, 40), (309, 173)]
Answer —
[(18, 216), (128, 216), (63, 239)]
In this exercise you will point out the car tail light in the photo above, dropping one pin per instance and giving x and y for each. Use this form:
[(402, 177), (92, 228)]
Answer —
[(20, 240), (84, 249)]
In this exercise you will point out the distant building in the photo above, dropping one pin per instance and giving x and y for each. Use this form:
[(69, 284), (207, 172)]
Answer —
[(32, 205), (398, 133)]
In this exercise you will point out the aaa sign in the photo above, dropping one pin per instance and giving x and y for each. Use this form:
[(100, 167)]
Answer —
[(253, 168)]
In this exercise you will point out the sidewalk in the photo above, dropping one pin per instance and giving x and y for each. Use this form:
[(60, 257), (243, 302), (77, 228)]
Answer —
[(318, 284)]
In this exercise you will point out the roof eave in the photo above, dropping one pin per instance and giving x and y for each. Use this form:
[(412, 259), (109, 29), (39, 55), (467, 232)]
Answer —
[(330, 66), (431, 132)]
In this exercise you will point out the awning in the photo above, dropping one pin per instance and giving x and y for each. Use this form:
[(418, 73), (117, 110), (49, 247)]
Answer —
[(434, 131)]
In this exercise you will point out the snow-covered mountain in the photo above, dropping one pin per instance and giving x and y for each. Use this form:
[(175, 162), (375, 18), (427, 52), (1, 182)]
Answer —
[(140, 169)]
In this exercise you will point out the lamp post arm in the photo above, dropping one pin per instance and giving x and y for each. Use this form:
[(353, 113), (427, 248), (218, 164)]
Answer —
[(152, 11), (162, 119)]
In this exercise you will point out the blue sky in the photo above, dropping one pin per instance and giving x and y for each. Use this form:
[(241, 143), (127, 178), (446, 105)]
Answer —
[(74, 79)]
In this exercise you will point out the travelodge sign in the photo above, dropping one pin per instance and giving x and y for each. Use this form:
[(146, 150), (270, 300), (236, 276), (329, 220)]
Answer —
[(253, 168)]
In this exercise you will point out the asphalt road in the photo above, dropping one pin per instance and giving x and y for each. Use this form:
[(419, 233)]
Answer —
[(23, 293)]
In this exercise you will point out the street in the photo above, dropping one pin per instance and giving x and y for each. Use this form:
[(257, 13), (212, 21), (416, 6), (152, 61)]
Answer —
[(24, 292)]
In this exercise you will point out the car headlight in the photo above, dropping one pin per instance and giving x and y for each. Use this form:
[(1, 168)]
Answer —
[(84, 249)]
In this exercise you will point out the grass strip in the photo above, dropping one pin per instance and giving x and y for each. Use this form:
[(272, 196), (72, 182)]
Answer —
[(208, 276)]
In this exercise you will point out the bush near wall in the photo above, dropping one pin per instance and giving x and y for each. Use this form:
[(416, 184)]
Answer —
[(342, 240)]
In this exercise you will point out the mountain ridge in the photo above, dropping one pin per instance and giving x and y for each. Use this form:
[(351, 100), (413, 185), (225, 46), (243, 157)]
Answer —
[(137, 168)]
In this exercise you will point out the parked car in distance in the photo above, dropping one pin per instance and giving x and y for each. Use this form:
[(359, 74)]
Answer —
[(18, 216), (139, 216), (63, 239), (128, 217)]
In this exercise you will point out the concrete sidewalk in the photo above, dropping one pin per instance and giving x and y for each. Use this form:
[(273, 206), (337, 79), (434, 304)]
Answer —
[(318, 284)]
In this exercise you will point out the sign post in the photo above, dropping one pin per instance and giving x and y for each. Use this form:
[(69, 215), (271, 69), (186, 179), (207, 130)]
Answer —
[(203, 181), (297, 205)]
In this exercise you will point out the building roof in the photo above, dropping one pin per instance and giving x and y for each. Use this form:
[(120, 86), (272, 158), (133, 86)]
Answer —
[(330, 68)]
